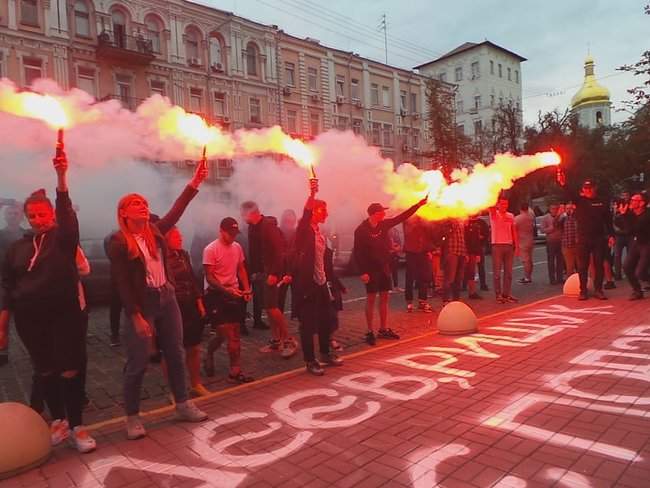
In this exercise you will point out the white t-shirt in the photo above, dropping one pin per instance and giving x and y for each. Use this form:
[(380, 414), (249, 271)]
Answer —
[(155, 268), (502, 227), (225, 259)]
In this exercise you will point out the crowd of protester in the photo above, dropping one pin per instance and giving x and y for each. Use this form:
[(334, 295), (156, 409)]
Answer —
[(163, 297)]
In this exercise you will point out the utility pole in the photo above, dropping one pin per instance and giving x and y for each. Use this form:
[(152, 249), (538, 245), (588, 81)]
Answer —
[(383, 25)]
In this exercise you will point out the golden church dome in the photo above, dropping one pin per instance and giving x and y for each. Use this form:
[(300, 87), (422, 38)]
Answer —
[(591, 91)]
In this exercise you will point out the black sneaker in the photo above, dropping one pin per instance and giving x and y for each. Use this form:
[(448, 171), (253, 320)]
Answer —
[(475, 296), (243, 330), (315, 368), (510, 299), (636, 295), (485, 288), (115, 341), (370, 338), (599, 295), (240, 378), (387, 334), (261, 325), (610, 285), (583, 296)]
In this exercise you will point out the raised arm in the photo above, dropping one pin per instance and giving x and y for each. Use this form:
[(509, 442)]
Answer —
[(176, 212), (66, 217), (398, 219)]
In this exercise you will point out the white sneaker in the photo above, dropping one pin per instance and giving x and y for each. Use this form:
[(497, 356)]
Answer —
[(134, 428), (287, 349), (59, 431), (81, 440), (188, 412)]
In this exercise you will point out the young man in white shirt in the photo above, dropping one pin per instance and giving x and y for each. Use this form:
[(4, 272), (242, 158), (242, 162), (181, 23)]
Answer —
[(505, 246)]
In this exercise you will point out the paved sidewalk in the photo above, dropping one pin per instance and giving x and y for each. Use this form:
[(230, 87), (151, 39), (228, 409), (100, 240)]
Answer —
[(552, 394)]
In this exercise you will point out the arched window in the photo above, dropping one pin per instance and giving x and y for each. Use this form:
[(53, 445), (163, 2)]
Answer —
[(81, 18), (599, 117), (119, 28), (192, 43), (216, 52), (154, 32), (251, 59)]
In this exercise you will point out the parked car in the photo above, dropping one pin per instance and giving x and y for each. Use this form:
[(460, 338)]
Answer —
[(98, 282)]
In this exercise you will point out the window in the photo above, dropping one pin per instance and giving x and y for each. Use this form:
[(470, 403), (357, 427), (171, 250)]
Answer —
[(292, 121), (154, 28), (356, 126), (251, 59), (119, 28), (340, 85), (443, 77), (216, 53), (500, 101), (460, 129), (388, 135), (402, 101), (354, 90), (314, 123), (458, 74), (290, 74), (157, 87), (219, 104), (509, 74), (81, 19), (33, 69), (517, 76), (477, 101), (312, 79), (491, 67), (414, 103), (478, 127), (492, 100), (124, 90), (459, 106), (29, 12), (385, 96), (500, 71), (196, 100), (192, 41), (374, 94), (517, 106), (255, 110), (476, 73), (86, 80), (376, 134), (599, 117), (341, 122), (415, 138)]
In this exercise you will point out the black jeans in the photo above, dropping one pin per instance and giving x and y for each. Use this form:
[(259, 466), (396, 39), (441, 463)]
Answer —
[(418, 272), (394, 269), (555, 261), (317, 315), (115, 311), (481, 271), (636, 263), (622, 243), (258, 299), (591, 247)]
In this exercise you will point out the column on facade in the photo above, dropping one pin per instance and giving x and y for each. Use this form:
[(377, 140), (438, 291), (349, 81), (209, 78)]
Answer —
[(56, 18), (325, 69)]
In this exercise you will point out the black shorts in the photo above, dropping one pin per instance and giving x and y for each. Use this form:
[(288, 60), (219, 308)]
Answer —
[(54, 335), (192, 323), (224, 309), (380, 282)]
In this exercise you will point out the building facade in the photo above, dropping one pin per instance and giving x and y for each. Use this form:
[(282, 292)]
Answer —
[(486, 76), (233, 71), (591, 104)]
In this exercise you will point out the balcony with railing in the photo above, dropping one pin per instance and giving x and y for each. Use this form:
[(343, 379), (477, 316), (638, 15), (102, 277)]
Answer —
[(117, 46)]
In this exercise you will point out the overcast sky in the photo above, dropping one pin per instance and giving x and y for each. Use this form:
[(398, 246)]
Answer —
[(554, 35)]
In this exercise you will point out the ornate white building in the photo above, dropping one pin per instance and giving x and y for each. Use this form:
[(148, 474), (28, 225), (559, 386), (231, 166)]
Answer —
[(591, 104)]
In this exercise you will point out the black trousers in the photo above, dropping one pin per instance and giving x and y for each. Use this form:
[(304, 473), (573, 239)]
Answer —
[(595, 247), (418, 273), (481, 271), (636, 263), (258, 300), (317, 315), (555, 261), (115, 311)]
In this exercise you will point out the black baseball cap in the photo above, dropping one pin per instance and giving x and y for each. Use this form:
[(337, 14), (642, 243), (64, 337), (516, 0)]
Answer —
[(588, 184), (376, 207), (230, 226)]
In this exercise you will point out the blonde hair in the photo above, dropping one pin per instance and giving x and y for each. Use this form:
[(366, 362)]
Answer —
[(131, 245)]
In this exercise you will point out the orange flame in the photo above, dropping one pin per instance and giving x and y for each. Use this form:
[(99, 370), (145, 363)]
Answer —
[(35, 106), (274, 140), (470, 192)]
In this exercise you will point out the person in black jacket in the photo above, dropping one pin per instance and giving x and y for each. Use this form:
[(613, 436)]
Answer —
[(40, 288), (635, 222), (266, 264), (115, 307), (140, 268), (315, 285), (372, 249), (595, 233)]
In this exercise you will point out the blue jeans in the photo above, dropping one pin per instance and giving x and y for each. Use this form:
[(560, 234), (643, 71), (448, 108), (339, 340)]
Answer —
[(161, 311)]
